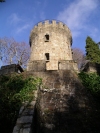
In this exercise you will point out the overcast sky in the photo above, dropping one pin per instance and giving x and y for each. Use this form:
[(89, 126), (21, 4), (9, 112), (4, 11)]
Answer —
[(18, 17)]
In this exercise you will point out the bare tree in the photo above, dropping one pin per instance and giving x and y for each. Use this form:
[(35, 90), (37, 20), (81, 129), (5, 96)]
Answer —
[(3, 44), (15, 52), (78, 56)]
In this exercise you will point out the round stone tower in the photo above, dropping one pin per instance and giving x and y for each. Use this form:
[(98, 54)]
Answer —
[(50, 43)]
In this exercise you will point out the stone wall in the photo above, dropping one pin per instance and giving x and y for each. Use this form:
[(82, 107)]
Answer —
[(8, 69), (63, 105), (26, 119), (67, 65), (91, 67), (37, 66), (42, 66)]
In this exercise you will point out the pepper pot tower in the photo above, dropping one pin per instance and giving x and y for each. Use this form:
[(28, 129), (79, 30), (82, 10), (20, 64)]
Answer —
[(50, 43)]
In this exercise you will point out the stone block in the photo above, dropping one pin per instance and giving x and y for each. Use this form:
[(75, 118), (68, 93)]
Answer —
[(26, 130), (49, 126), (27, 126), (48, 85), (52, 65), (28, 111), (36, 66), (33, 103), (57, 85), (21, 110), (24, 119), (16, 129)]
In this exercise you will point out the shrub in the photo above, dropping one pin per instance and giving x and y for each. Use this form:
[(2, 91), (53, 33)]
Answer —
[(91, 81), (13, 91)]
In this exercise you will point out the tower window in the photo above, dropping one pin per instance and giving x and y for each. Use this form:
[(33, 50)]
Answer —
[(47, 56), (46, 38)]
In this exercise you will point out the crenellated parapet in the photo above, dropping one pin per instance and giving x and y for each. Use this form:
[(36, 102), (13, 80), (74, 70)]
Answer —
[(50, 43), (54, 25)]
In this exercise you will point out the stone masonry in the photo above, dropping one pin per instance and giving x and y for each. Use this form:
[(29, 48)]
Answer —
[(8, 69), (12, 68), (62, 104), (50, 43), (26, 118)]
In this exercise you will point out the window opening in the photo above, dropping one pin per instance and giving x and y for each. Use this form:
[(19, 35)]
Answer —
[(47, 56), (46, 38)]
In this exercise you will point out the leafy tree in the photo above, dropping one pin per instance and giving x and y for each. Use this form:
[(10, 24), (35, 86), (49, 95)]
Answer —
[(92, 50)]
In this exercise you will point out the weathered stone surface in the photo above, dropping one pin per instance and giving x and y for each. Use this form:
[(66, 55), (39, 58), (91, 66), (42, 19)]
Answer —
[(51, 47), (49, 126), (8, 69), (16, 129), (28, 111), (21, 110), (33, 103), (62, 103), (91, 67), (58, 47), (26, 116), (61, 109), (27, 125), (26, 130), (21, 130), (24, 119), (65, 106)]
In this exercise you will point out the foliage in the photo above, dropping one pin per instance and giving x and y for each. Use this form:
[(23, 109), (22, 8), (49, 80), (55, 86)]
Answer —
[(13, 91), (92, 50), (91, 81)]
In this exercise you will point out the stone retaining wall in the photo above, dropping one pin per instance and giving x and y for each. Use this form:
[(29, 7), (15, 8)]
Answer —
[(63, 105)]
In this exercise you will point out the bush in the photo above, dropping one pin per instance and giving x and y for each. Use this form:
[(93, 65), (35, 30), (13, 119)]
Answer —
[(13, 91), (91, 81)]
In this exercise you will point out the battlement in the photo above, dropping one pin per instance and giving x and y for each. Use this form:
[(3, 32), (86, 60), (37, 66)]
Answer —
[(50, 42), (53, 24)]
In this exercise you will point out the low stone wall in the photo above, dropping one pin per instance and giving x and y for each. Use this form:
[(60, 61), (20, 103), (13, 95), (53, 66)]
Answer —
[(8, 69), (68, 65), (37, 66), (25, 121), (42, 66), (91, 67)]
